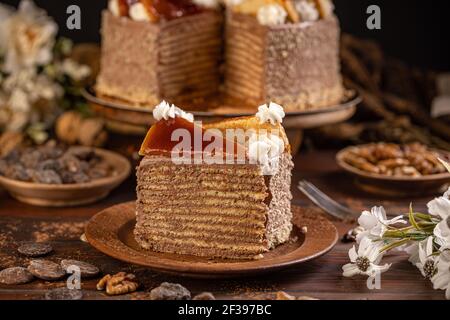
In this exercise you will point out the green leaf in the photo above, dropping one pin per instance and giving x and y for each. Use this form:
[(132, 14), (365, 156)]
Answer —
[(412, 219), (422, 216)]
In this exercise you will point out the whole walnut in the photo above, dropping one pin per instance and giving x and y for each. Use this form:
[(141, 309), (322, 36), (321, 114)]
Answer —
[(72, 128), (92, 133), (68, 126)]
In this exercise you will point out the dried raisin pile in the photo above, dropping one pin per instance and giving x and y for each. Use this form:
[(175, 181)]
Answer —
[(54, 163)]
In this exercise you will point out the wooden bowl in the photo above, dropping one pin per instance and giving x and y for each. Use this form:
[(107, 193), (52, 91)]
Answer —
[(65, 195), (111, 232), (396, 186)]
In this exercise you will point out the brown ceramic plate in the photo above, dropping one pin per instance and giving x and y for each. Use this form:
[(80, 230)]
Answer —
[(121, 116), (396, 186), (111, 232), (64, 195)]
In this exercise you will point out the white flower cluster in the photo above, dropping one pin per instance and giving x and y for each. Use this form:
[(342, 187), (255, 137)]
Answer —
[(27, 94), (20, 92), (427, 242), (28, 37)]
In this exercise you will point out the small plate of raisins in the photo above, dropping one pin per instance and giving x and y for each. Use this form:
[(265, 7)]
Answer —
[(56, 175)]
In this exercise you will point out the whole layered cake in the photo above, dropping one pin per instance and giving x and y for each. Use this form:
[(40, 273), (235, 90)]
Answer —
[(155, 49), (220, 190), (197, 55), (285, 51)]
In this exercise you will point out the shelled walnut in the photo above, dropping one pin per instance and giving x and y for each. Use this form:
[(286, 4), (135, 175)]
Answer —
[(120, 283), (411, 160)]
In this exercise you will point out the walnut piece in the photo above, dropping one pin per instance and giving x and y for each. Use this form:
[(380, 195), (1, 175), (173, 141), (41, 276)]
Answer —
[(118, 284), (411, 160)]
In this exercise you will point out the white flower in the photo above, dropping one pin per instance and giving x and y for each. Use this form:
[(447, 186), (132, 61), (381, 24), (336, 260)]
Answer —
[(30, 36), (427, 261), (365, 261), (375, 223), (441, 279), (74, 70), (18, 101), (440, 207), (271, 15), (413, 252)]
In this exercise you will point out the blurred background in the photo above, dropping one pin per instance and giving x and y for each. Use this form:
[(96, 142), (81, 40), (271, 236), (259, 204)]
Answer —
[(413, 30)]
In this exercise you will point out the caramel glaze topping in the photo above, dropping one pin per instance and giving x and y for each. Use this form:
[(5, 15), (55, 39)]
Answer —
[(172, 9), (162, 9), (159, 139)]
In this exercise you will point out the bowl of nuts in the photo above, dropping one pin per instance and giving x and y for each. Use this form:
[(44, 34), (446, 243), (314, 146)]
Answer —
[(58, 176), (396, 170)]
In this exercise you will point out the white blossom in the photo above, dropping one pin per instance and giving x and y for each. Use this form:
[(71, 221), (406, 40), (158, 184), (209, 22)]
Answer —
[(365, 261), (441, 280), (413, 252), (440, 207), (30, 36), (375, 223), (18, 101), (74, 70), (427, 261)]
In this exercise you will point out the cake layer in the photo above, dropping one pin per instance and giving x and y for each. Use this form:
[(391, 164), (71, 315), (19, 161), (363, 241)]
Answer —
[(295, 65), (202, 249), (233, 212), (226, 236), (224, 211)]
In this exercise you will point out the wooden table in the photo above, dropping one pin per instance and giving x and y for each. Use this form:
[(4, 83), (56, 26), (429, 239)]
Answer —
[(321, 278)]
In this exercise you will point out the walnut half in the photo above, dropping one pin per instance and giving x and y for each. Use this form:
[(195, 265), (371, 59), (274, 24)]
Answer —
[(120, 283)]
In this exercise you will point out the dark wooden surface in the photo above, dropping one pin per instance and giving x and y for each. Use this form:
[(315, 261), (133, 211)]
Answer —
[(321, 278)]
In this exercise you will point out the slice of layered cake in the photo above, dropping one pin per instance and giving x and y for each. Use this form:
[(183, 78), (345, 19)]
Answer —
[(159, 49), (220, 190), (285, 51)]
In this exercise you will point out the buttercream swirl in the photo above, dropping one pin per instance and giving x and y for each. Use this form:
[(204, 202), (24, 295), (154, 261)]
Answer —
[(266, 151), (274, 113), (271, 15), (166, 111), (307, 10), (113, 7), (138, 12)]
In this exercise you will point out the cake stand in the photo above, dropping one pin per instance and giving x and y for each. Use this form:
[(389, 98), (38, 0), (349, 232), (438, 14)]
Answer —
[(127, 119)]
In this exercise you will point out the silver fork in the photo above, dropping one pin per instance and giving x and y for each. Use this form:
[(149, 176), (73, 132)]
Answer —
[(324, 202)]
